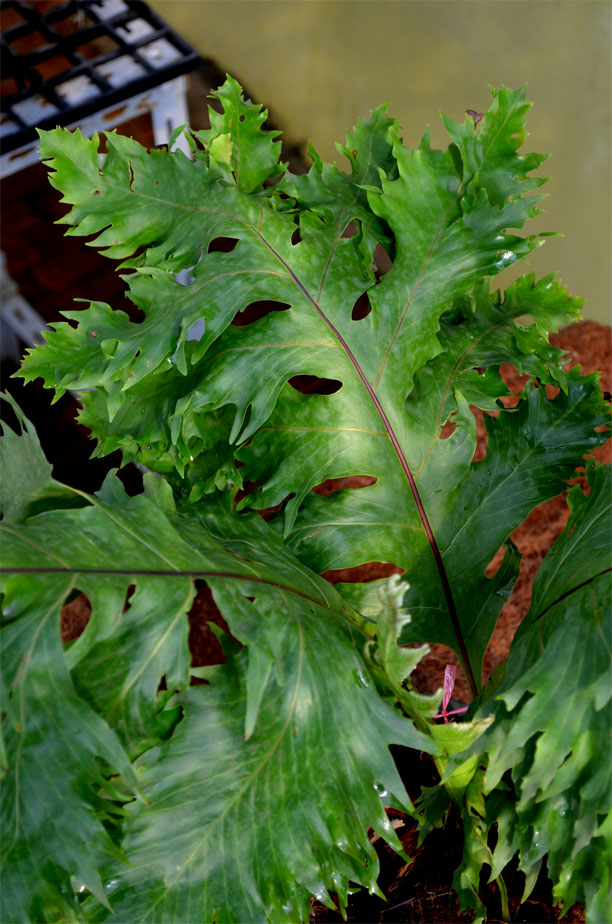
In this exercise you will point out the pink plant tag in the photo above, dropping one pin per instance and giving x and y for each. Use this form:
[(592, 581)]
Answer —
[(450, 672)]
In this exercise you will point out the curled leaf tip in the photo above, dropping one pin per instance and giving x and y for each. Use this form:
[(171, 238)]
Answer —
[(391, 595), (476, 116)]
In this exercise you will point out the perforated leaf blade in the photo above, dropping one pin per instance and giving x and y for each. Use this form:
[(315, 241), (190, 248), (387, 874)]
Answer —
[(292, 734), (407, 351), (169, 401)]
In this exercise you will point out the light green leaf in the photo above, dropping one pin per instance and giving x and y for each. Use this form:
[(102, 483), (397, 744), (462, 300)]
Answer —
[(236, 138), (487, 154), (395, 664)]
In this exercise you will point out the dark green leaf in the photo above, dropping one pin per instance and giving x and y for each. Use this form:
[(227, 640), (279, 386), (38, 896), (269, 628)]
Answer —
[(51, 792), (26, 474), (292, 735), (547, 779)]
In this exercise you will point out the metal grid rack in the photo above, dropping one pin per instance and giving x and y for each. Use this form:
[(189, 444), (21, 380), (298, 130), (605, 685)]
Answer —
[(93, 64), (70, 63)]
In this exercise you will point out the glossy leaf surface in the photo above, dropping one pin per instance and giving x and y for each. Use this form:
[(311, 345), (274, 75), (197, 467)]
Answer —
[(429, 347), (374, 284), (291, 735), (547, 782)]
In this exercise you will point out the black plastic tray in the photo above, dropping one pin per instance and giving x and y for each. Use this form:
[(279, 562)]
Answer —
[(64, 61)]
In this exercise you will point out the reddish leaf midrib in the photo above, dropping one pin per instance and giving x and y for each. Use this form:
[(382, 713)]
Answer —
[(452, 610)]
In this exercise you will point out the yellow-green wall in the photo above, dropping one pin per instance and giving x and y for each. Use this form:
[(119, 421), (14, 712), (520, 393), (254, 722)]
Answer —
[(319, 65)]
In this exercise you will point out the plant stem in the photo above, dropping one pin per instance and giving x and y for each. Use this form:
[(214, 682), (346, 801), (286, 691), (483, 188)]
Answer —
[(503, 896)]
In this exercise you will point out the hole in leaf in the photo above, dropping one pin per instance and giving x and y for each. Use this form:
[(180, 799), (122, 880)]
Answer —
[(361, 574), (134, 313), (75, 616), (184, 277), (361, 308), (515, 382), (313, 385), (266, 513), (482, 436), (197, 329), (272, 180), (552, 391), (350, 230), (448, 428), (222, 244), (296, 237), (140, 251), (257, 310), (130, 477), (204, 646), (330, 485), (382, 260), (250, 487)]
